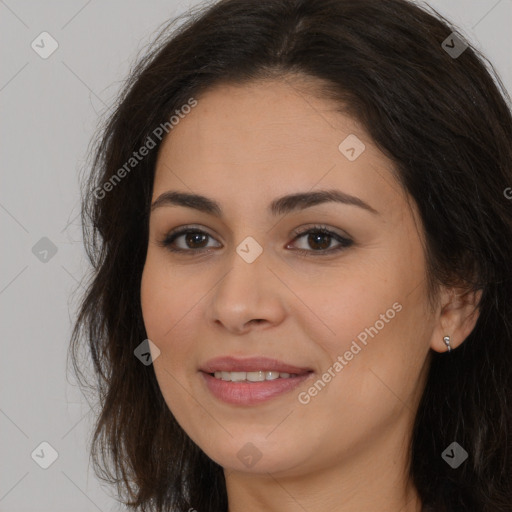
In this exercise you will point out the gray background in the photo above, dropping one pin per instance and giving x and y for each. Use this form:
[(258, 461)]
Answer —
[(49, 112)]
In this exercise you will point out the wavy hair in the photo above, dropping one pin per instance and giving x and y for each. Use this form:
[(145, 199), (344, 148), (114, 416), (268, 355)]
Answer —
[(444, 120)]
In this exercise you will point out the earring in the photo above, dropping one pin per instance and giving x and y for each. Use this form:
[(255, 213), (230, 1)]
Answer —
[(446, 340)]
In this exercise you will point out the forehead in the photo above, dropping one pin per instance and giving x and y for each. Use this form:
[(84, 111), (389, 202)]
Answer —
[(271, 138)]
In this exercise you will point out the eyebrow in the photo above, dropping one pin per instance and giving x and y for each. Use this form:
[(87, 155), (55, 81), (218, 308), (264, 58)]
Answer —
[(279, 206)]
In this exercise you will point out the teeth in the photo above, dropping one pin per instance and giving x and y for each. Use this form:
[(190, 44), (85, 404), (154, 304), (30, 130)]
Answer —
[(258, 376)]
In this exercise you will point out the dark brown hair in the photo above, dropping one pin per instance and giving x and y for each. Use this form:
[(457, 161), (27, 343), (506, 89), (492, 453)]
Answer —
[(445, 122)]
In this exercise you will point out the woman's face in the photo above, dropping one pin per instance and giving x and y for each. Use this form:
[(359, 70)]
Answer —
[(354, 314)]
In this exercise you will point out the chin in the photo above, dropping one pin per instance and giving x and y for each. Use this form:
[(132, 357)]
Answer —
[(257, 457)]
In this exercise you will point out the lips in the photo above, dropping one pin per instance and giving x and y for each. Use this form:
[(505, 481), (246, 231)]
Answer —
[(249, 394), (252, 364)]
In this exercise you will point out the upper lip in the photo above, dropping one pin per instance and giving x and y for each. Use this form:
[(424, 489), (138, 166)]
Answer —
[(250, 364)]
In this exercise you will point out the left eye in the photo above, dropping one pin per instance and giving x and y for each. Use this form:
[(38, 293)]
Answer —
[(319, 238)]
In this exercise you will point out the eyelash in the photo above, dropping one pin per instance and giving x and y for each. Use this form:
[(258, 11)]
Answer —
[(343, 241)]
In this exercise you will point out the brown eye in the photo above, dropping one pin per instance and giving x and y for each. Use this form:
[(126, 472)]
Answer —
[(319, 240), (193, 239), (190, 240)]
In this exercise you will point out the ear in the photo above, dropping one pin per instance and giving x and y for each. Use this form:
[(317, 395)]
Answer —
[(456, 317)]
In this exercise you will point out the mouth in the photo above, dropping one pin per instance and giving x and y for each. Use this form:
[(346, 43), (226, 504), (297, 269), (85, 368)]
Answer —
[(258, 376), (251, 381), (251, 366)]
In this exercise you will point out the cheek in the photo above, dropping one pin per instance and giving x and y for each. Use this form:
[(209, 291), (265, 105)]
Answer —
[(367, 384), (376, 330), (163, 311), (346, 303), (163, 301)]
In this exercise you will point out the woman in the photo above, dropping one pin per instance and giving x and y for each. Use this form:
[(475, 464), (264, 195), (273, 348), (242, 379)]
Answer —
[(301, 236)]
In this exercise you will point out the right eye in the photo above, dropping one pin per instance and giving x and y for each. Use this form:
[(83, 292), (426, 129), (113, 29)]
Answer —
[(193, 240)]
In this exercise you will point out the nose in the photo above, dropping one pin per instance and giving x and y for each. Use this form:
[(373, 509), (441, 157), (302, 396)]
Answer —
[(248, 295)]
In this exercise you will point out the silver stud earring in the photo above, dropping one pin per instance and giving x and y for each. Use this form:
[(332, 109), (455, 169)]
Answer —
[(446, 340)]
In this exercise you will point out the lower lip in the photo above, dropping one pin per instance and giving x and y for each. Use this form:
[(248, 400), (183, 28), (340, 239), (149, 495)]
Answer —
[(251, 393)]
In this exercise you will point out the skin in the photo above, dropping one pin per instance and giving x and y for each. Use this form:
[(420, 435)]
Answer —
[(347, 449)]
